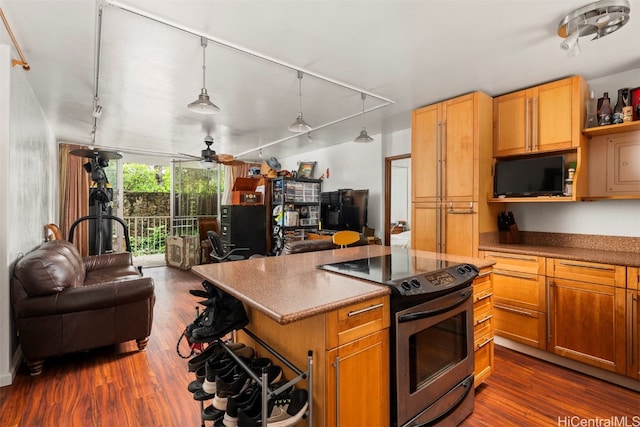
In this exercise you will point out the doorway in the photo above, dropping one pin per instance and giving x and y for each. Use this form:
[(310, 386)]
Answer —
[(397, 200)]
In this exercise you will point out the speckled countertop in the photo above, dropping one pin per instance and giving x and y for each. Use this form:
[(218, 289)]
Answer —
[(290, 288), (615, 250)]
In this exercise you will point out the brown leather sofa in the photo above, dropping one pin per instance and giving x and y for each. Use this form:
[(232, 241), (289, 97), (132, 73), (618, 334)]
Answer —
[(65, 303)]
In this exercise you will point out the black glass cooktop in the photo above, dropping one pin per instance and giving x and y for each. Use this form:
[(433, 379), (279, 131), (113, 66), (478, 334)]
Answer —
[(388, 269)]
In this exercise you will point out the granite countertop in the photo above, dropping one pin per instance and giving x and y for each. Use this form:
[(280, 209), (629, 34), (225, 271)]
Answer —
[(624, 258), (290, 287)]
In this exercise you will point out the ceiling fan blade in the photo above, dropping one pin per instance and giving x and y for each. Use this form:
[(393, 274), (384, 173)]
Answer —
[(222, 158), (234, 162), (191, 156)]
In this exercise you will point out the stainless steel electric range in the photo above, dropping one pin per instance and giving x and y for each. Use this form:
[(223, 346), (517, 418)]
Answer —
[(431, 334)]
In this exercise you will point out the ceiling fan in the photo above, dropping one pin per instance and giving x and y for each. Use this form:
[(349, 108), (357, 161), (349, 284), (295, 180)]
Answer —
[(209, 158)]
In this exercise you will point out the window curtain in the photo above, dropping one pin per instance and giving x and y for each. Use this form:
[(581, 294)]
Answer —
[(230, 175), (74, 196)]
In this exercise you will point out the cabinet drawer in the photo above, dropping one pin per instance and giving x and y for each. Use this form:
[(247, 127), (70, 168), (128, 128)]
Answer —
[(356, 321), (524, 326), (482, 323), (517, 262), (225, 214), (483, 358), (603, 274), (523, 290)]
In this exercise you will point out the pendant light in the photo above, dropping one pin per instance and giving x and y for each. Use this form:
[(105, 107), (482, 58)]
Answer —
[(363, 137), (300, 125), (203, 105)]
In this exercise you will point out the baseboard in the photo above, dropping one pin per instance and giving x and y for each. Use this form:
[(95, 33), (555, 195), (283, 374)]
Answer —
[(611, 377), (6, 378)]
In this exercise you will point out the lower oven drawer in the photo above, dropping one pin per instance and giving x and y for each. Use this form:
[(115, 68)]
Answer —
[(517, 324), (483, 358)]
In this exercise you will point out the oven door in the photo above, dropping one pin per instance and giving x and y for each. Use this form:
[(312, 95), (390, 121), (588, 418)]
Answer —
[(434, 360)]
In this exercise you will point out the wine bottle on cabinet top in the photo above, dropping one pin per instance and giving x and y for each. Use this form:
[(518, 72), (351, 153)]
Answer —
[(617, 110), (604, 115)]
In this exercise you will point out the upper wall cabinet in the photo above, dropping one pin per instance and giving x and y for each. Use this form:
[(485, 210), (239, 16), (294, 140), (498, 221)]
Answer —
[(543, 118)]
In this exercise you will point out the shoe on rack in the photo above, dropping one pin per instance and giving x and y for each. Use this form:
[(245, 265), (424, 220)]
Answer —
[(225, 390), (226, 315), (211, 413), (250, 400), (284, 410), (211, 352), (225, 366)]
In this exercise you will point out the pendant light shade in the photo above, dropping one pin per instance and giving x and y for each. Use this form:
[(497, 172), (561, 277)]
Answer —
[(363, 137), (300, 125), (203, 104)]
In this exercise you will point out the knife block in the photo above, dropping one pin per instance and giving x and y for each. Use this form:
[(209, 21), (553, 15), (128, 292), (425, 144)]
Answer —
[(510, 237)]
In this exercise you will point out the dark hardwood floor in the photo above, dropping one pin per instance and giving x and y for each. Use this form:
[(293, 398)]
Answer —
[(119, 386)]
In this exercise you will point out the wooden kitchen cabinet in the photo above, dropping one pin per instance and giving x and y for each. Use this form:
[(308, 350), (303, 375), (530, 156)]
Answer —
[(633, 322), (548, 117), (587, 313), (350, 359), (451, 174), (520, 301), (483, 327)]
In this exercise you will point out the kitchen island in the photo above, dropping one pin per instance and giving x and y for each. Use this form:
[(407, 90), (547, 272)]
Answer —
[(295, 307)]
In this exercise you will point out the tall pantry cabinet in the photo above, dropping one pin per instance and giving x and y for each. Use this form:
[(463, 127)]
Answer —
[(451, 162)]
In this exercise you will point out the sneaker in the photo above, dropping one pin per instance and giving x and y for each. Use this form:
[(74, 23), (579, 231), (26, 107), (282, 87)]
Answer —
[(211, 352), (284, 410), (223, 366), (250, 400), (224, 390)]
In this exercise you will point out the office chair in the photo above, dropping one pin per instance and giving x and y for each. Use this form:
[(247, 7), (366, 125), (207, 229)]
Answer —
[(217, 249), (345, 237)]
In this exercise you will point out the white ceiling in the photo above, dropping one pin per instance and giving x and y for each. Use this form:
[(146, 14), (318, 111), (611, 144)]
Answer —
[(411, 52)]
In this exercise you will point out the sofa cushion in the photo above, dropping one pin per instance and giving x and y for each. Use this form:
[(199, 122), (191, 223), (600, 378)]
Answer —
[(52, 267)]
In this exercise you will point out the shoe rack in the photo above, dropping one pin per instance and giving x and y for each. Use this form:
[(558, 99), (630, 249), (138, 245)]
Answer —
[(263, 382)]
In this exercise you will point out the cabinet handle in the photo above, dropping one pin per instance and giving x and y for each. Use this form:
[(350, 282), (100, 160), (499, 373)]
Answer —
[(632, 327), (534, 124), (484, 319), (549, 310), (484, 274), (514, 310), (594, 267), (506, 256), (484, 343), (364, 310), (485, 296), (443, 153), (463, 212), (336, 365), (518, 276), (527, 125)]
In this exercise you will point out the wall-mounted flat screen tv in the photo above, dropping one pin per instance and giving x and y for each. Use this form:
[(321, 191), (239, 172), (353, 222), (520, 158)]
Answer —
[(538, 176)]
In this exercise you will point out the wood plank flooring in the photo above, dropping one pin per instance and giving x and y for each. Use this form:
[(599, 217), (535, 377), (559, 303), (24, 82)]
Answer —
[(119, 386)]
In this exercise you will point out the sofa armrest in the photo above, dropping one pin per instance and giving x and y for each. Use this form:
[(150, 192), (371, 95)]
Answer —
[(84, 298), (98, 262)]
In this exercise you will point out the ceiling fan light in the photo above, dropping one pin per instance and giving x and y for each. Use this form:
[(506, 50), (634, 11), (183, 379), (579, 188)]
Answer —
[(363, 137), (203, 104), (207, 163), (300, 125)]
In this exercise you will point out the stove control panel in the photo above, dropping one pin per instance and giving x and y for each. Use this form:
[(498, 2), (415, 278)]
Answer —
[(436, 281)]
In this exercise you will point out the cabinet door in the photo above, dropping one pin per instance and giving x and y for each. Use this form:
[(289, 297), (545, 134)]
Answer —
[(552, 116), (459, 160), (460, 230), (511, 124), (588, 323), (633, 340), (426, 130), (424, 224), (358, 382)]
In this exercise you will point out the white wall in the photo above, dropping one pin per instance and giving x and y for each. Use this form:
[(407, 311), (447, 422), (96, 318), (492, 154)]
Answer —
[(28, 188)]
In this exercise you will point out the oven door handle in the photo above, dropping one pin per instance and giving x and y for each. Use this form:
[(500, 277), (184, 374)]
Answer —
[(464, 295)]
